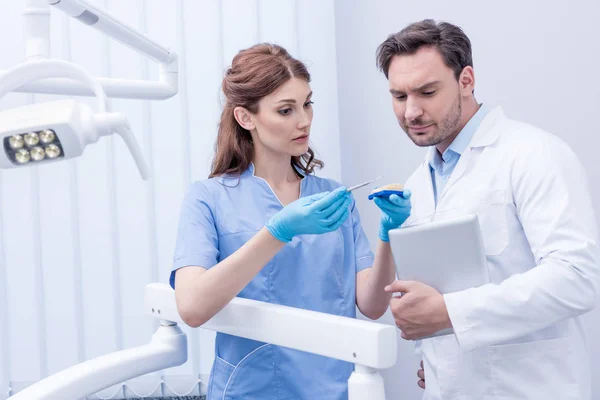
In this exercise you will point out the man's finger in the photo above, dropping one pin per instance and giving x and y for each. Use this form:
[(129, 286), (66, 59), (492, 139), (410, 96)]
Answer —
[(422, 364), (399, 201), (391, 208), (421, 383), (399, 286), (421, 374)]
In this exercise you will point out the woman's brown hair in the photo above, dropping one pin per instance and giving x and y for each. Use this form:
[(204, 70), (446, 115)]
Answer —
[(254, 73)]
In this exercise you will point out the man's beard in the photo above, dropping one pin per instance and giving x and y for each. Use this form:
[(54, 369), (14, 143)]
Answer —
[(440, 131)]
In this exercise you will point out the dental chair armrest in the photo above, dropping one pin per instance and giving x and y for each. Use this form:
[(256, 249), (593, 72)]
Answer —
[(360, 342)]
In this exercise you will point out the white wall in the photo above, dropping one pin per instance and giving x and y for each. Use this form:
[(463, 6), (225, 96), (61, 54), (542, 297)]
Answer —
[(539, 60), (80, 239)]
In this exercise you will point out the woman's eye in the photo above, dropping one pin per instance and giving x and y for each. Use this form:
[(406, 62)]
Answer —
[(285, 111), (309, 103)]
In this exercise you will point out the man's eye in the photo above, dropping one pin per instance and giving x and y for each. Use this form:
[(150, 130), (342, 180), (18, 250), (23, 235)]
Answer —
[(429, 93), (285, 111), (400, 97)]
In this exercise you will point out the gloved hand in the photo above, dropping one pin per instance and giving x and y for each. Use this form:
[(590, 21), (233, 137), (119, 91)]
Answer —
[(316, 214), (394, 211)]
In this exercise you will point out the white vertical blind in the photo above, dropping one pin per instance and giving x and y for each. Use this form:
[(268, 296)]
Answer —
[(80, 239)]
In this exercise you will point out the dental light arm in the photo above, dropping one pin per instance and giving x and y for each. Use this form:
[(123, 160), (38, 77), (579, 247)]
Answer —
[(37, 34), (109, 25)]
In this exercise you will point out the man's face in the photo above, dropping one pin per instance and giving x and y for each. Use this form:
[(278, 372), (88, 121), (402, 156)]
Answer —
[(427, 98)]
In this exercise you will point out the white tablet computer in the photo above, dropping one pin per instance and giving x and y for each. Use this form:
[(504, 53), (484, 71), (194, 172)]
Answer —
[(448, 254)]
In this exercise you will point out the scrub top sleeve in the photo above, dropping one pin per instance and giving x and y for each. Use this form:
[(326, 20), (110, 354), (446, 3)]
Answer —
[(363, 254), (197, 239)]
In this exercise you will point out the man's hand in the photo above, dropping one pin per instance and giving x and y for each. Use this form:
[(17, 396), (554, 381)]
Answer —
[(420, 311), (421, 375), (394, 211)]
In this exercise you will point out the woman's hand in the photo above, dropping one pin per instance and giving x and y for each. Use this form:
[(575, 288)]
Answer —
[(316, 214)]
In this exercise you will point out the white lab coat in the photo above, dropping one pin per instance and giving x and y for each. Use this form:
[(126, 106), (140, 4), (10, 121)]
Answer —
[(519, 337)]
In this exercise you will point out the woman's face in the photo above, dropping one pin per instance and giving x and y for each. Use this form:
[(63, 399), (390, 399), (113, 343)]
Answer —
[(282, 123)]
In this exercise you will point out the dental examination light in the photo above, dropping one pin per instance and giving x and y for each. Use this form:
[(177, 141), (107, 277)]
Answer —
[(54, 131), (57, 130)]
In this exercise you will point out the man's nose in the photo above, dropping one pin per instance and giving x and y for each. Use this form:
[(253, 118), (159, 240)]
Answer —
[(413, 110)]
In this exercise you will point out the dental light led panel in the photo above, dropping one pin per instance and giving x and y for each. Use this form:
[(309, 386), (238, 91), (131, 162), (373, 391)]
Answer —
[(58, 130)]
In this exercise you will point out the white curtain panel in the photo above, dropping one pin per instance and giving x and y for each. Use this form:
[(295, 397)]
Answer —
[(80, 239)]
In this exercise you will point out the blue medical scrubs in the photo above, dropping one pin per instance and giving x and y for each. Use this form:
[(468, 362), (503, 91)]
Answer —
[(314, 272)]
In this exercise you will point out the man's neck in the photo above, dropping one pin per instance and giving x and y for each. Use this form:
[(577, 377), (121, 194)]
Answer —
[(469, 109)]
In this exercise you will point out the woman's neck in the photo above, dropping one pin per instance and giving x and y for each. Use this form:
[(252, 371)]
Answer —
[(274, 168)]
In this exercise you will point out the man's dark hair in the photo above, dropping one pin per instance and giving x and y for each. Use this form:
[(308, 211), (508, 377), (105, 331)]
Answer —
[(450, 40)]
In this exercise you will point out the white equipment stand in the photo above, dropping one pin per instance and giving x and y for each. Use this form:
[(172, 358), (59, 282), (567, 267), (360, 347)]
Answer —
[(370, 346)]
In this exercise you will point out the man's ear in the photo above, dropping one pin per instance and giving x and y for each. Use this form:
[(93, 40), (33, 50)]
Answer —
[(467, 81), (244, 118)]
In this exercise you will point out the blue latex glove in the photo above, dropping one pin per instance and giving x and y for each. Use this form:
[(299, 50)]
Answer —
[(394, 211), (316, 214)]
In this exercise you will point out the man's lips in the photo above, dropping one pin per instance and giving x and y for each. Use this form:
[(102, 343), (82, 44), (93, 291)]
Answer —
[(419, 128)]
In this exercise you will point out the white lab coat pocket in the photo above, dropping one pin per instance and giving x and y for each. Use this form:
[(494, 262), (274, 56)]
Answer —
[(490, 207), (542, 369)]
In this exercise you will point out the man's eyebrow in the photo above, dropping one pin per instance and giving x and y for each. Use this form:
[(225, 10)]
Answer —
[(418, 89), (425, 86)]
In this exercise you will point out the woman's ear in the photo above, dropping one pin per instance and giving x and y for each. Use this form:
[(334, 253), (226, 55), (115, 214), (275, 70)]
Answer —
[(244, 118)]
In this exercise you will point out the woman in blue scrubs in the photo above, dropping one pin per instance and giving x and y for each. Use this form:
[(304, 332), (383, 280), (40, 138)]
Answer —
[(264, 227)]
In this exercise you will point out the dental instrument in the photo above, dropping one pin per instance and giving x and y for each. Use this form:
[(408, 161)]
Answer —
[(363, 184)]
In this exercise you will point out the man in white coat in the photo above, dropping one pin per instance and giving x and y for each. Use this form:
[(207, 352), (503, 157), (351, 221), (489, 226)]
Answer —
[(520, 336)]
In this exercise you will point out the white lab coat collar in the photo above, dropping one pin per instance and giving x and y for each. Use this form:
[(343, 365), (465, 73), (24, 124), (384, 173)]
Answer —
[(488, 131), (485, 135)]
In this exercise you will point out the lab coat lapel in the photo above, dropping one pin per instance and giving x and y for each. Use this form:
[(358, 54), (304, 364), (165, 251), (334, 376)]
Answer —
[(428, 205), (459, 170), (486, 134)]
